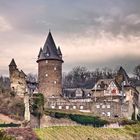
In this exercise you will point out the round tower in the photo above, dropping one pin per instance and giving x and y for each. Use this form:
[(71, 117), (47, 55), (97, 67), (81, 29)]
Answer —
[(50, 69)]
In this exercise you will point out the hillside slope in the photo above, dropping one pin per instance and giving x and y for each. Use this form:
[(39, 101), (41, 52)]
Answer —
[(11, 106), (88, 133)]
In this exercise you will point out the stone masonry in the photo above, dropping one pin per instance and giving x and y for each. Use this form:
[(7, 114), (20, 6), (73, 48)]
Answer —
[(17, 79)]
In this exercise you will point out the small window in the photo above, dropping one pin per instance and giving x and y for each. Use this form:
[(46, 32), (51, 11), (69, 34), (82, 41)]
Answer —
[(108, 106), (97, 106), (48, 54), (103, 106), (60, 107), (108, 114), (98, 86), (46, 75), (81, 107), (54, 68), (103, 113), (54, 82), (52, 106), (67, 107), (46, 61), (74, 107)]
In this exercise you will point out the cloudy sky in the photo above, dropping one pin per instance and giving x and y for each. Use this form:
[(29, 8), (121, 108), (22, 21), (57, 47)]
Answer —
[(91, 33)]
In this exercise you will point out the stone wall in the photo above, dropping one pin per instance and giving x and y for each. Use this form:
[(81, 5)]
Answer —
[(100, 107), (77, 104), (50, 77), (17, 81)]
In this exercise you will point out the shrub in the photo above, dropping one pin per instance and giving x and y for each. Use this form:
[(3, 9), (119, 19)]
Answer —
[(81, 119), (38, 105), (88, 120), (4, 136), (9, 125), (24, 133)]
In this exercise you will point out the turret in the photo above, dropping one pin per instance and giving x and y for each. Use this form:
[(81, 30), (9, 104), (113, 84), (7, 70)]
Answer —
[(12, 66)]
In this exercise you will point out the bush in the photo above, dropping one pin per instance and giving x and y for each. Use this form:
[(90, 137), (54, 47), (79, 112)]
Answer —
[(4, 136), (9, 125), (81, 119), (88, 120), (38, 105), (23, 133), (127, 122)]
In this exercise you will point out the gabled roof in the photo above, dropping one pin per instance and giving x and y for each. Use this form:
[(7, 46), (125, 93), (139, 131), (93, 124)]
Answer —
[(12, 63), (105, 83), (122, 77), (49, 51), (126, 77)]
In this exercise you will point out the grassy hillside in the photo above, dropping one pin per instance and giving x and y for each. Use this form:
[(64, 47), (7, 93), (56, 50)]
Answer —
[(88, 133), (11, 106)]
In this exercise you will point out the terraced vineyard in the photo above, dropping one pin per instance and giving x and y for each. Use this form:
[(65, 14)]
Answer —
[(89, 133)]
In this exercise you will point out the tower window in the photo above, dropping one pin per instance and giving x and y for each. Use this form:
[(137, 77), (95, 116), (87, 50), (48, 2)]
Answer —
[(81, 107), (60, 107), (67, 107)]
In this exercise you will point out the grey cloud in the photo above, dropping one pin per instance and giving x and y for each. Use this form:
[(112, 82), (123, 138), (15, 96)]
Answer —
[(33, 17)]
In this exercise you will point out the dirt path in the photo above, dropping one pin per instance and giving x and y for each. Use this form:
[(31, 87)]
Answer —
[(6, 119)]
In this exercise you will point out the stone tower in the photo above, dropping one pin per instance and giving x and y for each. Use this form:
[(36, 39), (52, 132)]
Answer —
[(17, 79), (50, 69)]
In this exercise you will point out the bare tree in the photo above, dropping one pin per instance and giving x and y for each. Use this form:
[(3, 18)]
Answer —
[(81, 77), (137, 72)]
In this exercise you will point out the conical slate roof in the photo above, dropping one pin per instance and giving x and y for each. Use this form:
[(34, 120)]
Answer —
[(59, 51), (12, 63), (49, 51)]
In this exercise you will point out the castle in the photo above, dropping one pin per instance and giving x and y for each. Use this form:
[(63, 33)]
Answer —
[(109, 97)]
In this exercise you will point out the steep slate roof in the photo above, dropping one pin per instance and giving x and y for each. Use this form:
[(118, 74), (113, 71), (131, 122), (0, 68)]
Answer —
[(59, 51), (125, 76), (49, 51), (12, 63), (121, 72)]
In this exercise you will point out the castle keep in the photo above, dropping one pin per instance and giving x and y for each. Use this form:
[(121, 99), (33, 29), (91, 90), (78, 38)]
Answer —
[(50, 69)]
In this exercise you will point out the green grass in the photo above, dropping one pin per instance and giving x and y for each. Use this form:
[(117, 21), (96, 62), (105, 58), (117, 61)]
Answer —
[(88, 133)]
